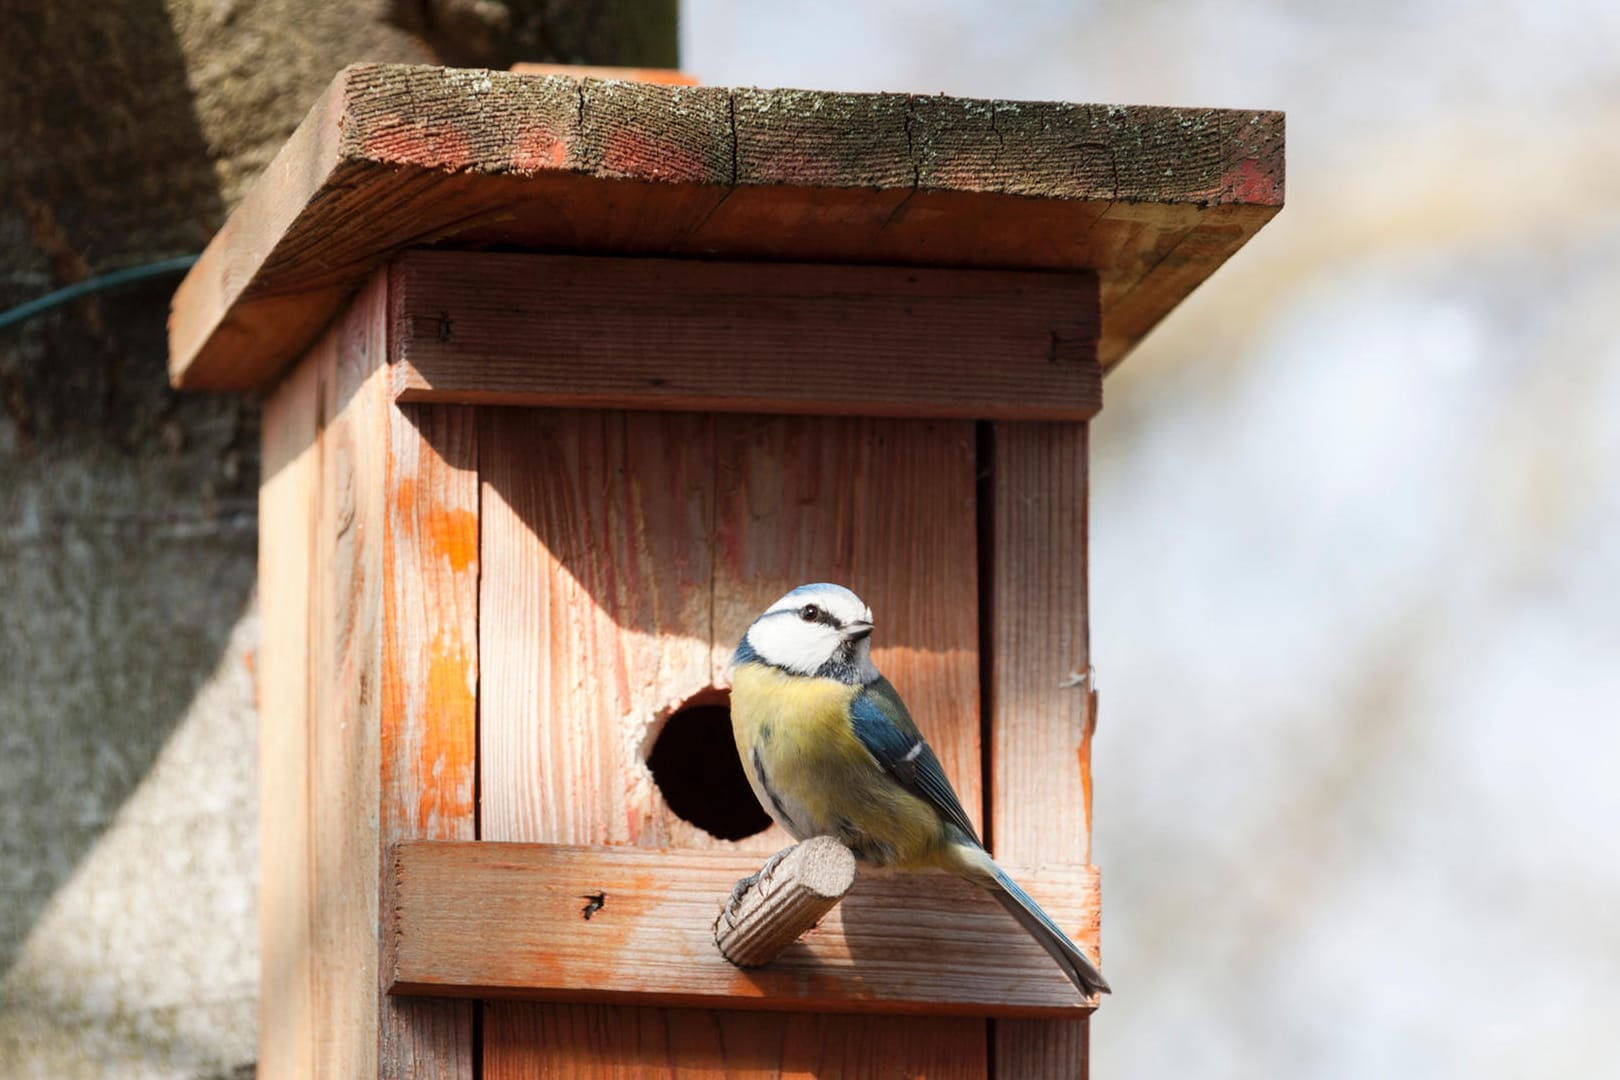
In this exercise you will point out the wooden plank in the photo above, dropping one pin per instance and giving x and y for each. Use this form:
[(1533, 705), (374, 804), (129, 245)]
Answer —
[(287, 500), (1041, 705), (664, 1043), (430, 693), (594, 619), (1039, 688), (745, 337), (395, 156), (885, 507), (234, 265), (594, 624), (346, 663), (381, 539), (509, 920)]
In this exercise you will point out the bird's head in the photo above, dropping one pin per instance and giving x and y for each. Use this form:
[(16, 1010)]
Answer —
[(821, 630)]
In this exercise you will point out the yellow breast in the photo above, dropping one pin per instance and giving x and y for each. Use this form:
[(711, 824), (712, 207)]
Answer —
[(814, 776), (806, 713)]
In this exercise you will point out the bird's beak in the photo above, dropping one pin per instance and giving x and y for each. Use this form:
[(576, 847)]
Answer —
[(856, 630)]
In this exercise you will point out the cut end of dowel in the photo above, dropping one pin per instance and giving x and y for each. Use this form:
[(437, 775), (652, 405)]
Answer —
[(783, 901)]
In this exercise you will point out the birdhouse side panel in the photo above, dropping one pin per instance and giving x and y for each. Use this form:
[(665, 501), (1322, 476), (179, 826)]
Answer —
[(368, 581), (345, 650), (291, 470)]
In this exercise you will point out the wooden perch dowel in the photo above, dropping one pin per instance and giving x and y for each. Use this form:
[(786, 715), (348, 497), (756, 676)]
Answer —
[(784, 900)]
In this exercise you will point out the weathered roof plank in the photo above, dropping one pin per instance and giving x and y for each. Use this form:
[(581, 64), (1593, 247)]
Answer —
[(396, 156)]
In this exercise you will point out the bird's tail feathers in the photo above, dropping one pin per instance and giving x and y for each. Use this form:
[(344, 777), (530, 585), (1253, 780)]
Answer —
[(1075, 963)]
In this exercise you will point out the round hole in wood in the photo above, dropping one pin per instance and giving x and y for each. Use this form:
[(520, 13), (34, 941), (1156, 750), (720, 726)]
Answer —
[(694, 763)]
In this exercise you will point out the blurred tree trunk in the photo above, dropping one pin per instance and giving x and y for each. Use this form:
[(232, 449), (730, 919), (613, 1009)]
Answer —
[(128, 129)]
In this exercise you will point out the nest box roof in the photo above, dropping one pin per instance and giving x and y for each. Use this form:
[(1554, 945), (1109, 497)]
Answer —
[(394, 156)]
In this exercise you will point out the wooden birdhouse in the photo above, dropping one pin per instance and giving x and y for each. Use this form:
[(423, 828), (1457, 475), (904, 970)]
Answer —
[(565, 380)]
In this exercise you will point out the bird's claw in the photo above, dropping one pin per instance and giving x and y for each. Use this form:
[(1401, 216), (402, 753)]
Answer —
[(739, 890)]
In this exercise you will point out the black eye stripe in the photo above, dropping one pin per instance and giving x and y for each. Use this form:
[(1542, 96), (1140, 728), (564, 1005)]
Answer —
[(817, 614), (811, 613)]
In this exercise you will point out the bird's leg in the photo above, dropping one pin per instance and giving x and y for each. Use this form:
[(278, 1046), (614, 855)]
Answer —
[(739, 890)]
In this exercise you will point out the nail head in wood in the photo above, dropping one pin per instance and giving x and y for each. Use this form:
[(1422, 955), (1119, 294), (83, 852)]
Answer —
[(787, 898)]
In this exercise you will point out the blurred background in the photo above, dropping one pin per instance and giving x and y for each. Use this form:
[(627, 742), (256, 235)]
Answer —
[(1356, 519)]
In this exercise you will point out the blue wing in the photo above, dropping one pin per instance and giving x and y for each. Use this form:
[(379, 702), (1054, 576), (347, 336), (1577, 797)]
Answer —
[(886, 729)]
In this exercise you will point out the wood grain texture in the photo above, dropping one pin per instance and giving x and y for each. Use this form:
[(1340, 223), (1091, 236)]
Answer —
[(370, 586), (744, 337), (287, 499), (431, 618), (346, 600), (1153, 199), (885, 507), (1040, 690), (594, 619), (783, 900), (750, 1046), (506, 920), (622, 556), (594, 625), (430, 693)]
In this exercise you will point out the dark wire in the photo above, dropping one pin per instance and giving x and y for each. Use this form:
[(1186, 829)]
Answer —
[(23, 312)]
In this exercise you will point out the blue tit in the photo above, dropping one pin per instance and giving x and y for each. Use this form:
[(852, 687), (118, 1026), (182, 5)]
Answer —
[(830, 750)]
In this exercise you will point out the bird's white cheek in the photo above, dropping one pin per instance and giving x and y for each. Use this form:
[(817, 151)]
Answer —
[(794, 645)]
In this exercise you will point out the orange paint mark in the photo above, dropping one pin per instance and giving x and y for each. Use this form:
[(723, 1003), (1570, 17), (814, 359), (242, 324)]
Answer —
[(449, 683), (453, 535), (404, 141), (444, 758), (405, 497), (1251, 182), (539, 148)]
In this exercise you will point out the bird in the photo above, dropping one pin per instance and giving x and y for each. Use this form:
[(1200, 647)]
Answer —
[(830, 750)]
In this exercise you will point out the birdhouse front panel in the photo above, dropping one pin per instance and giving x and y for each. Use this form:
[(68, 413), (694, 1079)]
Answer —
[(520, 620)]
